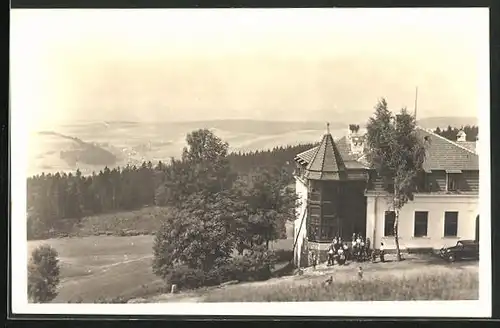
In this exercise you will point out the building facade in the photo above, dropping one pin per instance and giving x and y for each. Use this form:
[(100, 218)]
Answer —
[(340, 195)]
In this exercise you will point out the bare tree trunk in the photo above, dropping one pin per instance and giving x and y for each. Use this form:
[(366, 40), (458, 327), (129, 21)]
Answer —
[(396, 235)]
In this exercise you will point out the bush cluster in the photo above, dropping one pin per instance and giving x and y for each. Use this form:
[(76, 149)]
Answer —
[(253, 265), (283, 255)]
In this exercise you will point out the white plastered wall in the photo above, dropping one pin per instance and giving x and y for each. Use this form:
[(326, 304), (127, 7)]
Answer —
[(301, 191), (467, 207)]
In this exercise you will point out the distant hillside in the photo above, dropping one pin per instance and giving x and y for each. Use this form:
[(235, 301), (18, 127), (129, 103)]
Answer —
[(444, 122), (92, 145), (261, 126)]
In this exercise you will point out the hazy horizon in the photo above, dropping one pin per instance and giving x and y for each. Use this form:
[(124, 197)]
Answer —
[(286, 65)]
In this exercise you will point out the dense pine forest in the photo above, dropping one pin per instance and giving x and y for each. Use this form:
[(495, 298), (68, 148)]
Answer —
[(70, 196), (451, 133)]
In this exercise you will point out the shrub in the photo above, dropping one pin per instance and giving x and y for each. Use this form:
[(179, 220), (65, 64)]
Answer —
[(111, 300), (185, 277), (255, 264), (78, 299), (283, 255), (43, 274)]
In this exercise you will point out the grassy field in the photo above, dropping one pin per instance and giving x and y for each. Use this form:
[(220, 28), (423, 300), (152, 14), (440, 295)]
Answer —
[(417, 278), (143, 221), (103, 266), (436, 283)]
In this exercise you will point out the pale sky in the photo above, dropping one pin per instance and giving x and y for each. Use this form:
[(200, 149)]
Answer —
[(287, 64)]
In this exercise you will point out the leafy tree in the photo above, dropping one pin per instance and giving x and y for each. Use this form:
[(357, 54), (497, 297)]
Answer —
[(43, 274), (397, 154), (270, 204), (199, 234), (203, 168)]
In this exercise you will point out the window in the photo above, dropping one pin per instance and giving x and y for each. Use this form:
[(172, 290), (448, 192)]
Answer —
[(450, 224), (314, 186), (329, 208), (452, 181), (327, 232), (422, 182), (313, 232), (313, 219), (390, 217), (329, 227), (315, 210), (420, 225)]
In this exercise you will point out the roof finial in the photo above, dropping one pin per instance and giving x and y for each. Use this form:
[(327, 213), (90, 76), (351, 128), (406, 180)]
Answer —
[(328, 128)]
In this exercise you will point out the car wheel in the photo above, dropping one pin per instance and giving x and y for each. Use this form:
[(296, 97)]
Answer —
[(451, 258)]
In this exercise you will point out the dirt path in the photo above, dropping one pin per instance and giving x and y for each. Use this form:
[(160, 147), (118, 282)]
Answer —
[(105, 268)]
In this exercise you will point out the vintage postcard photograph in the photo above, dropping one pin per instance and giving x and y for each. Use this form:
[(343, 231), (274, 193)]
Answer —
[(278, 162)]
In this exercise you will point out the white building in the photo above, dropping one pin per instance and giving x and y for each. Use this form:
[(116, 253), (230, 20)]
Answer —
[(340, 195)]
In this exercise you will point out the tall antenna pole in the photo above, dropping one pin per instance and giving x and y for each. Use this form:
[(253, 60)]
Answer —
[(416, 98)]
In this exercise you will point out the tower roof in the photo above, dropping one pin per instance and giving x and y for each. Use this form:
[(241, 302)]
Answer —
[(326, 163)]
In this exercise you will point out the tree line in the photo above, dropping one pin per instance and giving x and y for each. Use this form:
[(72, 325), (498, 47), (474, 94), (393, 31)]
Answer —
[(450, 133), (53, 198)]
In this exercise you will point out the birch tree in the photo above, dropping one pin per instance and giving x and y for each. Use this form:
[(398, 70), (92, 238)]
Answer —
[(397, 154)]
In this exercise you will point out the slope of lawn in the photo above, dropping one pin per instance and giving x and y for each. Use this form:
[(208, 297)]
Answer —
[(110, 267), (418, 278)]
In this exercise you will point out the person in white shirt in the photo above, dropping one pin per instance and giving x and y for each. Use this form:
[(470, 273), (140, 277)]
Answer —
[(382, 252), (330, 255), (360, 272), (341, 257)]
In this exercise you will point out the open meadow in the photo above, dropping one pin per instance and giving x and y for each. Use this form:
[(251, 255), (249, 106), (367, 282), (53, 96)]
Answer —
[(103, 267), (111, 267)]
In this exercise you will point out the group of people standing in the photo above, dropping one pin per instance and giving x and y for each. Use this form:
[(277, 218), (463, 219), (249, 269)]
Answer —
[(360, 250), (340, 252), (337, 252)]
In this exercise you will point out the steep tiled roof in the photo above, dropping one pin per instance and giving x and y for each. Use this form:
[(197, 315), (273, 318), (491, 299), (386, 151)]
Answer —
[(354, 165), (342, 147), (442, 154), (307, 155), (471, 145), (326, 162)]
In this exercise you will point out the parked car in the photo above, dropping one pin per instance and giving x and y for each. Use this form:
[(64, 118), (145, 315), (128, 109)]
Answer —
[(463, 250)]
